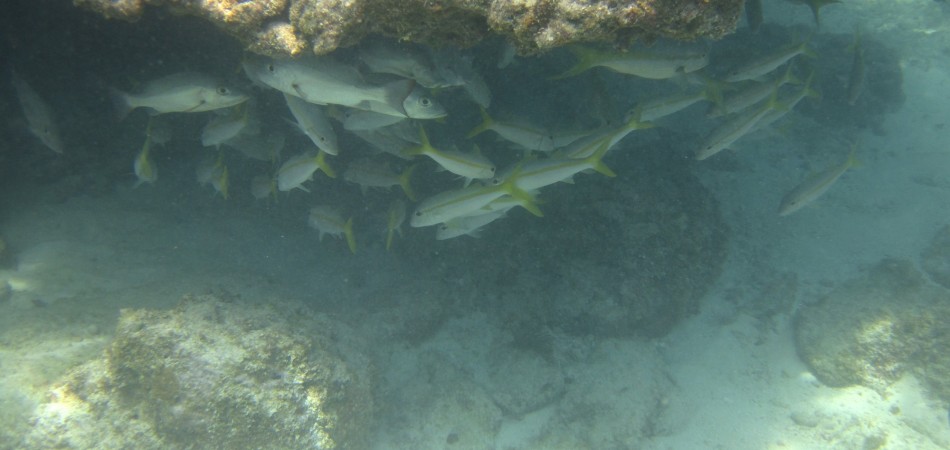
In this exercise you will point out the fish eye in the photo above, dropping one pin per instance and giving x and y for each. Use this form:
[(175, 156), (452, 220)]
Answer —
[(425, 101), (270, 68), (223, 90), (323, 139), (418, 213), (492, 169), (444, 227)]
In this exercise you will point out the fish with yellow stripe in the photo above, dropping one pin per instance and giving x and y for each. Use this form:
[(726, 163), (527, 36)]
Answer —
[(815, 186), (327, 220)]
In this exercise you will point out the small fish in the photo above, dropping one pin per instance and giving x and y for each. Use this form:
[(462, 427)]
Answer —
[(325, 81), (300, 169), (789, 104), (313, 121), (467, 225), (526, 136), (658, 108), (327, 220), (395, 139), (465, 201), (856, 77), (144, 167), (395, 217), (753, 93), (374, 173), (181, 92), (753, 15), (506, 55), (221, 129), (403, 60), (654, 65), (39, 116), (736, 127), (467, 165), (587, 146), (457, 70), (265, 148), (815, 185), (263, 186), (537, 174), (761, 66)]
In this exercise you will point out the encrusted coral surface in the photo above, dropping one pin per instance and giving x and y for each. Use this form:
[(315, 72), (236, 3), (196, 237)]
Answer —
[(214, 373), (874, 329), (289, 27)]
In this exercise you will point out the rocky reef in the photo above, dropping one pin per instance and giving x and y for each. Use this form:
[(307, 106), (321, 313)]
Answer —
[(215, 373), (875, 329), (292, 27)]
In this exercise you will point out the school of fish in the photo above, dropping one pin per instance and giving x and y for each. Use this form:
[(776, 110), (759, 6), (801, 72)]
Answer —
[(390, 96)]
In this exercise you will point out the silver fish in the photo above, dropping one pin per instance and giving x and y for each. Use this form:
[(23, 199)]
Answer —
[(39, 116), (325, 81), (181, 92), (814, 186), (313, 121)]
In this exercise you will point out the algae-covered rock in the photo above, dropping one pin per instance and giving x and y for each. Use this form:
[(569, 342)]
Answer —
[(531, 25), (874, 329), (214, 374), (935, 259)]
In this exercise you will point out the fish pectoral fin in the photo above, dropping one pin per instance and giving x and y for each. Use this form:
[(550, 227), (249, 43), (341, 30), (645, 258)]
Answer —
[(200, 104), (299, 91)]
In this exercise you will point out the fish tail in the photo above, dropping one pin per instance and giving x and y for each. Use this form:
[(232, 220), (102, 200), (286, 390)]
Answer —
[(324, 165), (396, 93), (597, 163), (789, 77), (524, 198), (404, 182), (485, 125), (348, 234), (424, 147), (634, 122), (774, 103), (120, 103), (584, 63)]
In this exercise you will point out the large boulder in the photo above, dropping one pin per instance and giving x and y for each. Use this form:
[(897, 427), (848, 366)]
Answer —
[(874, 329), (215, 373)]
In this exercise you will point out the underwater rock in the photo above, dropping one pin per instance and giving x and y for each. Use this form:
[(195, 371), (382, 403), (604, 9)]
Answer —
[(628, 256), (214, 373), (532, 26), (935, 259), (874, 329)]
